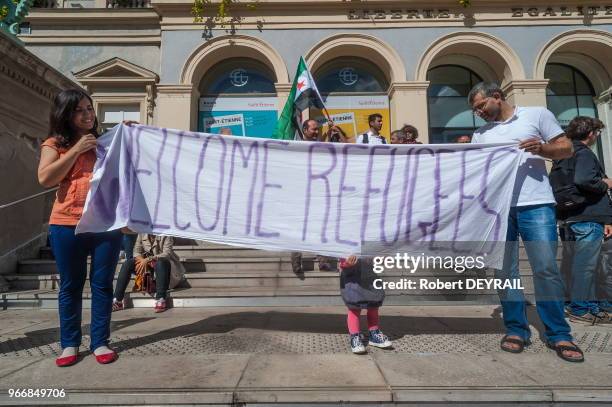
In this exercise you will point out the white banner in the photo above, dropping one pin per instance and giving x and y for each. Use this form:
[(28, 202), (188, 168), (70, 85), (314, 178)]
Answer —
[(328, 198)]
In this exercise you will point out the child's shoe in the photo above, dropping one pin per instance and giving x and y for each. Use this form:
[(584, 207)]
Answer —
[(378, 339), (357, 345)]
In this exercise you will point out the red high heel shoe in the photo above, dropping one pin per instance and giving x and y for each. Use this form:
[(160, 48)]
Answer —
[(67, 360), (107, 358)]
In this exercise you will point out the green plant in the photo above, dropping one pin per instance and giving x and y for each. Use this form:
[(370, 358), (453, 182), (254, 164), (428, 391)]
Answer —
[(220, 13), (4, 10)]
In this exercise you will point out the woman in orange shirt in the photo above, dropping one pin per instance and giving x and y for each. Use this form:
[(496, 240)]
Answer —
[(67, 159)]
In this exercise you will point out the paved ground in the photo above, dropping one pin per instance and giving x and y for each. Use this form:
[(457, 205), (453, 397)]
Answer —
[(294, 355)]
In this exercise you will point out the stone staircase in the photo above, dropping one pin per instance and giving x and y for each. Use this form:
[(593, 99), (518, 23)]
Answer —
[(220, 275)]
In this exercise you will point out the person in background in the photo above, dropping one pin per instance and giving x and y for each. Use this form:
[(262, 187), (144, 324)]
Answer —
[(311, 130), (585, 222), (464, 139), (67, 159), (372, 136), (152, 253), (398, 137), (335, 134), (412, 134), (127, 243)]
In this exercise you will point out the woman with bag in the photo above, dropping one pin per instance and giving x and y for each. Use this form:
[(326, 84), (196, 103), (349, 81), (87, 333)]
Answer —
[(157, 268), (67, 159)]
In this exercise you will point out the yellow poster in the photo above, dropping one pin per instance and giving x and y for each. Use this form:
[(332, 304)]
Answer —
[(351, 113)]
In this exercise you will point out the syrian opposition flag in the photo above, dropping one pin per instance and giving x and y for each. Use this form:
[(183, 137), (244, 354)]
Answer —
[(304, 95)]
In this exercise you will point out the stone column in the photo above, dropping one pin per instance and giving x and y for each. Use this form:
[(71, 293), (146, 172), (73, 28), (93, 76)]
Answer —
[(408, 105), (175, 107), (527, 92), (604, 111)]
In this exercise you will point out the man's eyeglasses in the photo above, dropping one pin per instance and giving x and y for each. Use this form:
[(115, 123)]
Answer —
[(479, 108)]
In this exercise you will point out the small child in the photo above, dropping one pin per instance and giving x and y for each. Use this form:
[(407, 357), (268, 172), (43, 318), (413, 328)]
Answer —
[(358, 292)]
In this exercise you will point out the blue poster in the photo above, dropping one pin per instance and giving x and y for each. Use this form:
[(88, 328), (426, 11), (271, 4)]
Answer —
[(238, 116)]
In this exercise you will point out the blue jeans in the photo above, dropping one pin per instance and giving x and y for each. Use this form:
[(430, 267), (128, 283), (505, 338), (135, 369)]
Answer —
[(582, 246), (604, 273), (71, 253), (536, 224), (127, 245)]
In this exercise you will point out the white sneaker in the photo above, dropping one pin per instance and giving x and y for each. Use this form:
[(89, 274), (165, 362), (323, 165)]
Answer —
[(379, 339), (356, 345)]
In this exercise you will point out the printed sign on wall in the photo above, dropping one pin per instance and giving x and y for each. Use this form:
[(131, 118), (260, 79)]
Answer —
[(351, 113), (238, 116)]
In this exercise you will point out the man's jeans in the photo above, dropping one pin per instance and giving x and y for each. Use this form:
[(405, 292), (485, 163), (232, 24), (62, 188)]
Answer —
[(581, 248), (536, 224), (604, 273)]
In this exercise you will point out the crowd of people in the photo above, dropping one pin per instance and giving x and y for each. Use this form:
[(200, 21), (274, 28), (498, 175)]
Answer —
[(576, 201)]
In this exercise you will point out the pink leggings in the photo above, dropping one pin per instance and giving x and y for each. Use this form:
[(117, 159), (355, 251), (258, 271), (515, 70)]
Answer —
[(353, 320)]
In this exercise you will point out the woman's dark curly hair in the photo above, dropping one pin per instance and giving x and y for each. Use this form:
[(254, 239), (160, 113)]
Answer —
[(60, 120)]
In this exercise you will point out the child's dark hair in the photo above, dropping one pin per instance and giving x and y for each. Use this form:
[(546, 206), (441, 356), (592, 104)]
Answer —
[(62, 112)]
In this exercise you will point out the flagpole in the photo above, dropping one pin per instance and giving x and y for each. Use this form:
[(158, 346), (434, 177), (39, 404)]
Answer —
[(325, 112)]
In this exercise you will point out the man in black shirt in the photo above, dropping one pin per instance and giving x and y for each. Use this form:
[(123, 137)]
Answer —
[(585, 211)]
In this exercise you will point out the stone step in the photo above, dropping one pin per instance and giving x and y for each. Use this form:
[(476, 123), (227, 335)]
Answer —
[(225, 251), (250, 296), (213, 264), (250, 278), (219, 250), (223, 279), (209, 250)]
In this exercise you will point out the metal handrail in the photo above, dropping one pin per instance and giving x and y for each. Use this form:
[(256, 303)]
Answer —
[(27, 198)]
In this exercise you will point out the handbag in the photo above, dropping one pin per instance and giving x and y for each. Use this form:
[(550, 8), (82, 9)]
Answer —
[(144, 281), (149, 282)]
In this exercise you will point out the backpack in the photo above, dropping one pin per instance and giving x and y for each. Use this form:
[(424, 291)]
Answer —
[(566, 193), (366, 139)]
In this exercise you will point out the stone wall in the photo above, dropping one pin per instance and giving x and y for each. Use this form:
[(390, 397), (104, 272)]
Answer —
[(28, 86)]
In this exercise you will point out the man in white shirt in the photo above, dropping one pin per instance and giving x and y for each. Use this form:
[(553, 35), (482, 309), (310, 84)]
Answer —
[(373, 136), (532, 216)]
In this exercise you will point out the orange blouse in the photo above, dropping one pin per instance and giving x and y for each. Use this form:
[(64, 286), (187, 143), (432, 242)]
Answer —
[(72, 192)]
